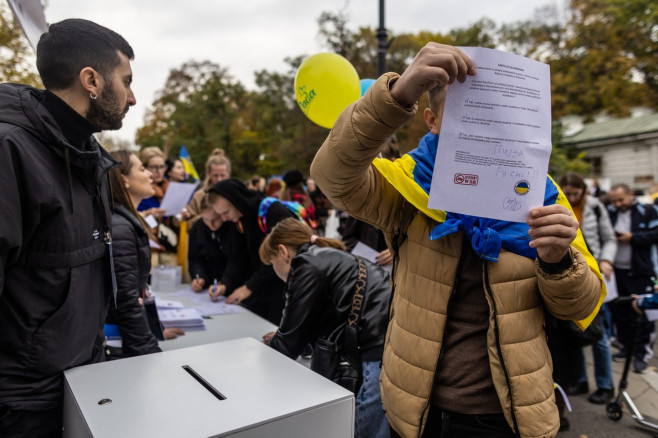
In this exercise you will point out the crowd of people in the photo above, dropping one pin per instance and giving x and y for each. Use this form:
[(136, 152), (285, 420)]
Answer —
[(444, 331)]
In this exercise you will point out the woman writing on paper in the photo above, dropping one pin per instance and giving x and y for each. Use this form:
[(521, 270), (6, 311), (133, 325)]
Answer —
[(321, 282)]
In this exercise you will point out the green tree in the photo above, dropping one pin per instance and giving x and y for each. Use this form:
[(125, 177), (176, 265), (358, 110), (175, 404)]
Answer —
[(199, 107), (16, 57), (602, 59)]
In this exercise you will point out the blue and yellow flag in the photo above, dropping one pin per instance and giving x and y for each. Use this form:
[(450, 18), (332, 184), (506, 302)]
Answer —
[(187, 163), (411, 175)]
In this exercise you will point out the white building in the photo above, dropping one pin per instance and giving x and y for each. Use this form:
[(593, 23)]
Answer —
[(618, 150)]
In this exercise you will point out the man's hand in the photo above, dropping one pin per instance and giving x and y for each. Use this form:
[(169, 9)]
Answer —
[(552, 229), (435, 64), (606, 269), (623, 237), (238, 295), (634, 304)]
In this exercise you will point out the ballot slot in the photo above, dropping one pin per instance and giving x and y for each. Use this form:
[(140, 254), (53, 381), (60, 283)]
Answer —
[(204, 382)]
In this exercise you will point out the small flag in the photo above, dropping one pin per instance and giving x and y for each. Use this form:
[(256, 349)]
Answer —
[(187, 163)]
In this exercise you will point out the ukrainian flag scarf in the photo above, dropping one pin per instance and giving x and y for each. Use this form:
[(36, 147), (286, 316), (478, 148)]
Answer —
[(411, 175)]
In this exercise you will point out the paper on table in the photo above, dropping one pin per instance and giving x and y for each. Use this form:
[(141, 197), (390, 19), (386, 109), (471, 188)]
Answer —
[(164, 304), (207, 307), (495, 140), (177, 197)]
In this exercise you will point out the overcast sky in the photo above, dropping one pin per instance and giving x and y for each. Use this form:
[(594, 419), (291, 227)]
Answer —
[(249, 35)]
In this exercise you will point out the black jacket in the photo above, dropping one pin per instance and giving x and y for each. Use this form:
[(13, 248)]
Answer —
[(242, 249), (132, 264), (319, 294), (644, 226), (206, 258), (54, 266)]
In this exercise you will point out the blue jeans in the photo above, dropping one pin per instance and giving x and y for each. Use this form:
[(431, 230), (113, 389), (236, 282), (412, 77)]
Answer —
[(602, 363), (369, 417)]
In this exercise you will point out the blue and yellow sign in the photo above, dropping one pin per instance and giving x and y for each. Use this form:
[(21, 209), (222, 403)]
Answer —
[(522, 187)]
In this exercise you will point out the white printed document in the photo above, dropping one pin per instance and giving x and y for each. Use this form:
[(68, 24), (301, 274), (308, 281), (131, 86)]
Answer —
[(495, 141), (177, 197)]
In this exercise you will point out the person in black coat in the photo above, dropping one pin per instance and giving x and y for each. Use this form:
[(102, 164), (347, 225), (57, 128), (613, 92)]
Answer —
[(254, 283), (55, 218), (131, 182), (321, 283), (205, 255)]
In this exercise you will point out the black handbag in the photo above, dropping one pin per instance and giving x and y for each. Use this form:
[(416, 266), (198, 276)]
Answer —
[(590, 336), (330, 362), (337, 357)]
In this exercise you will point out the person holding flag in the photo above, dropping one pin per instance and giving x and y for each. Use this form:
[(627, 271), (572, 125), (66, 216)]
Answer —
[(465, 350)]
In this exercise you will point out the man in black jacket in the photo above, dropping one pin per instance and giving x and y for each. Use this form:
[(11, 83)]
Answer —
[(636, 228), (56, 275)]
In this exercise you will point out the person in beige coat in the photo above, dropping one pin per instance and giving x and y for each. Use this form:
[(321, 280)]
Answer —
[(465, 352)]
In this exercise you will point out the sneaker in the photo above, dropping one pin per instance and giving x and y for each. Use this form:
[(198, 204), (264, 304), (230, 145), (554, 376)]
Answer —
[(615, 343), (619, 357), (639, 366), (601, 396), (578, 389)]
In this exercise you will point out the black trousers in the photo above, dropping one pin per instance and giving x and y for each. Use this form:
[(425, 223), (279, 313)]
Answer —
[(30, 424), (445, 424), (624, 316)]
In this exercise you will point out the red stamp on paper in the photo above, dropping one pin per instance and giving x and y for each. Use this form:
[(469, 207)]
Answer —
[(466, 179)]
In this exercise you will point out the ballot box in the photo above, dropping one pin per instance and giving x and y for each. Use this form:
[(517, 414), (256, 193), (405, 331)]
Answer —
[(238, 388)]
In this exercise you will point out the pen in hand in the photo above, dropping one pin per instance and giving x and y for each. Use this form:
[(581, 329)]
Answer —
[(214, 292)]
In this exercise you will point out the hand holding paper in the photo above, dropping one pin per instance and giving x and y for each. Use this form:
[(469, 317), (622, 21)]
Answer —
[(552, 229), (435, 64)]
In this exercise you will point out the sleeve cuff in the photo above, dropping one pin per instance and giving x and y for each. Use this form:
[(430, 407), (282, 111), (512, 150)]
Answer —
[(556, 268)]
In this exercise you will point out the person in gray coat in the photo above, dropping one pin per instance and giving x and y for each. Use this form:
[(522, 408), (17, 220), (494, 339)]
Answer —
[(600, 238)]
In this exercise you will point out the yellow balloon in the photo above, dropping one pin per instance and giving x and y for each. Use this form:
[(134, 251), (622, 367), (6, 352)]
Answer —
[(325, 84)]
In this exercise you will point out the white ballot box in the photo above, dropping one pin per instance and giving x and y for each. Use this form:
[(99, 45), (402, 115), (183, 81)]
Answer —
[(239, 388)]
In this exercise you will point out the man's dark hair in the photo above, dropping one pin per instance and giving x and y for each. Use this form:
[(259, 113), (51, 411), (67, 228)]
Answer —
[(623, 187), (73, 44)]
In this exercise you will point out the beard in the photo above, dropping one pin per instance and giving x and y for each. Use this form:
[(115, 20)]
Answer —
[(105, 111)]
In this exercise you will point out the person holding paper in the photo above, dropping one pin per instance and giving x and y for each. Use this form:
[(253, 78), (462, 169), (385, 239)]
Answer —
[(465, 349), (56, 275), (600, 238)]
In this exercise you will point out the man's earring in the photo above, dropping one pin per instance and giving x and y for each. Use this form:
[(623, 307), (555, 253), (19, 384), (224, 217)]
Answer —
[(93, 96)]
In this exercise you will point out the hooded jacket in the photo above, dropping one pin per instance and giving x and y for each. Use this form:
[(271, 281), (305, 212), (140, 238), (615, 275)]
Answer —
[(132, 265), (319, 294), (55, 276), (242, 248)]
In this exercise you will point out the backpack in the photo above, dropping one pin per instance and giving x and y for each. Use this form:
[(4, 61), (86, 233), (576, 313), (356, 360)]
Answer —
[(295, 207)]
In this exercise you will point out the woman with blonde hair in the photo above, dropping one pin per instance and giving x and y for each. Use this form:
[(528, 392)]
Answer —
[(218, 168), (322, 281), (153, 160)]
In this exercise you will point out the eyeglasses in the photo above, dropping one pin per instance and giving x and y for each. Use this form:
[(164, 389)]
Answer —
[(156, 168)]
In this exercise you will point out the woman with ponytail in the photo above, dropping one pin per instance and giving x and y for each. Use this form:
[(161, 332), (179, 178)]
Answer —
[(321, 281)]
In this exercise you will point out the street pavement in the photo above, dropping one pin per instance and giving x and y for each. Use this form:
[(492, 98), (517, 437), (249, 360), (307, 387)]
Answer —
[(588, 420)]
